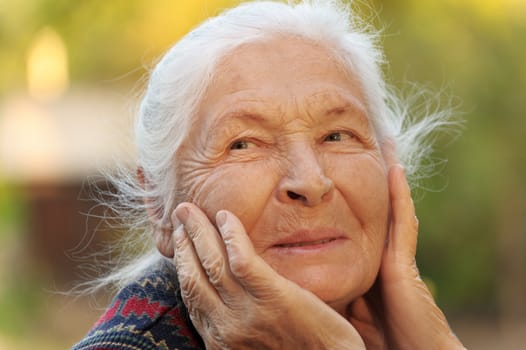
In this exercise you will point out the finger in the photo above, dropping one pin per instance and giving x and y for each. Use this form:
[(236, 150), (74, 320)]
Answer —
[(409, 309), (196, 291), (404, 224), (258, 278), (209, 249)]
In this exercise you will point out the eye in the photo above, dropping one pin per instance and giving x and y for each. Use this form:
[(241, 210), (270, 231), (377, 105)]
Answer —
[(241, 144), (338, 136)]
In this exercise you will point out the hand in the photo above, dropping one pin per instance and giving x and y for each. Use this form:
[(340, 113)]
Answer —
[(237, 301), (399, 311)]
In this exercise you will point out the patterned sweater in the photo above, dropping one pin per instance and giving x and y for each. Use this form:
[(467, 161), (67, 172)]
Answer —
[(147, 314)]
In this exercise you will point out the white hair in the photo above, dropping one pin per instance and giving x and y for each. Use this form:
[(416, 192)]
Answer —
[(180, 78)]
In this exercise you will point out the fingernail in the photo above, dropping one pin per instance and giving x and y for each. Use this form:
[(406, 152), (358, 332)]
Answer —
[(220, 218), (182, 214)]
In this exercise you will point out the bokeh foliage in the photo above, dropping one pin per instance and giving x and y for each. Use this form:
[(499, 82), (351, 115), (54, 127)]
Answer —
[(105, 40), (476, 51)]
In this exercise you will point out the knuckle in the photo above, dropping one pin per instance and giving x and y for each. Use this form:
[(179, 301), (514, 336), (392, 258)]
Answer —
[(215, 268), (182, 243), (240, 268), (229, 231), (196, 231), (195, 317), (189, 288)]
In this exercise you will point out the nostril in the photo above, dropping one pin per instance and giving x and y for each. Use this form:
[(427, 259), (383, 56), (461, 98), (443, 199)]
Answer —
[(294, 195)]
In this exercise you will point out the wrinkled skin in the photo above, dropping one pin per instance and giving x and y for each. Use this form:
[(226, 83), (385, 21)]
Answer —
[(227, 287), (285, 214), (284, 143)]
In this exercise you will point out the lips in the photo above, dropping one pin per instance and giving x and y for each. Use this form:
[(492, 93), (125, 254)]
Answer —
[(304, 244), (309, 238)]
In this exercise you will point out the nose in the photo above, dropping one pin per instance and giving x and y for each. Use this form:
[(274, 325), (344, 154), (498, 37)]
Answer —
[(305, 181)]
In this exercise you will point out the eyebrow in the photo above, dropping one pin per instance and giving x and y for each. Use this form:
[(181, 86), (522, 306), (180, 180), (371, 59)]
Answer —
[(248, 112), (344, 103), (237, 116), (354, 109), (242, 114)]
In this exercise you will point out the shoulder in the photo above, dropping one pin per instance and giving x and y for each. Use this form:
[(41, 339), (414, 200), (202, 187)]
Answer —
[(146, 314)]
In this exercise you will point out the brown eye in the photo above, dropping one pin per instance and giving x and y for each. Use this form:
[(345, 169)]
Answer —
[(333, 137), (241, 144)]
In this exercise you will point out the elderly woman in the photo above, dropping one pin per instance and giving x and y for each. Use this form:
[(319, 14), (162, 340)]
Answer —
[(269, 174)]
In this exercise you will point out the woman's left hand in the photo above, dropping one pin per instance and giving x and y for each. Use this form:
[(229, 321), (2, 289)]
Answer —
[(237, 301), (399, 312)]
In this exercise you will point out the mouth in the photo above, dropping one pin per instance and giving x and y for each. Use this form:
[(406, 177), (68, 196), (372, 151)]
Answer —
[(306, 244), (310, 241)]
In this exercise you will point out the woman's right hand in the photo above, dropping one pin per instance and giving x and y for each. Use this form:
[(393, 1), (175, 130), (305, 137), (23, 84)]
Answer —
[(237, 301)]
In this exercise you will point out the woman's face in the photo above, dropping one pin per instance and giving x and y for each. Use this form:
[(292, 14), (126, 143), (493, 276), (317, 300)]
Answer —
[(282, 140)]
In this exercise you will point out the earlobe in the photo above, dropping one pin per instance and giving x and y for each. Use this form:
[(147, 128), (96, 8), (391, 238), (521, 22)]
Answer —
[(162, 233), (163, 241), (153, 214)]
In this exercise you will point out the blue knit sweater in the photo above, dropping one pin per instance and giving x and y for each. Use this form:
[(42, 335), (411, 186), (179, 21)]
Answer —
[(147, 314)]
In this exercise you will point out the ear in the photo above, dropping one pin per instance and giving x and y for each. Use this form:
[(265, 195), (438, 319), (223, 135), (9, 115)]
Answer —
[(162, 231)]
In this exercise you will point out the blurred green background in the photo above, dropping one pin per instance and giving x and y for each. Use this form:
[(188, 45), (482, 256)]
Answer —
[(69, 74)]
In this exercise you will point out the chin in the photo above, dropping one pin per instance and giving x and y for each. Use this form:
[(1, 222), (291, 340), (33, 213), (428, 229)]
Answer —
[(337, 288)]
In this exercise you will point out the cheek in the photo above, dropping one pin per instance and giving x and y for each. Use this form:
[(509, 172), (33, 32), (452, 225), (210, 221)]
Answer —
[(362, 181), (363, 184), (243, 189)]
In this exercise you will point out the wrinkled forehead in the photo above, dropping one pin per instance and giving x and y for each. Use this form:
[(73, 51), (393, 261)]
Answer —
[(278, 66), (295, 52)]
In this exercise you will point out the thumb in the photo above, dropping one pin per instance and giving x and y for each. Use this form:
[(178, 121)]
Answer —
[(403, 232), (254, 274), (412, 316)]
